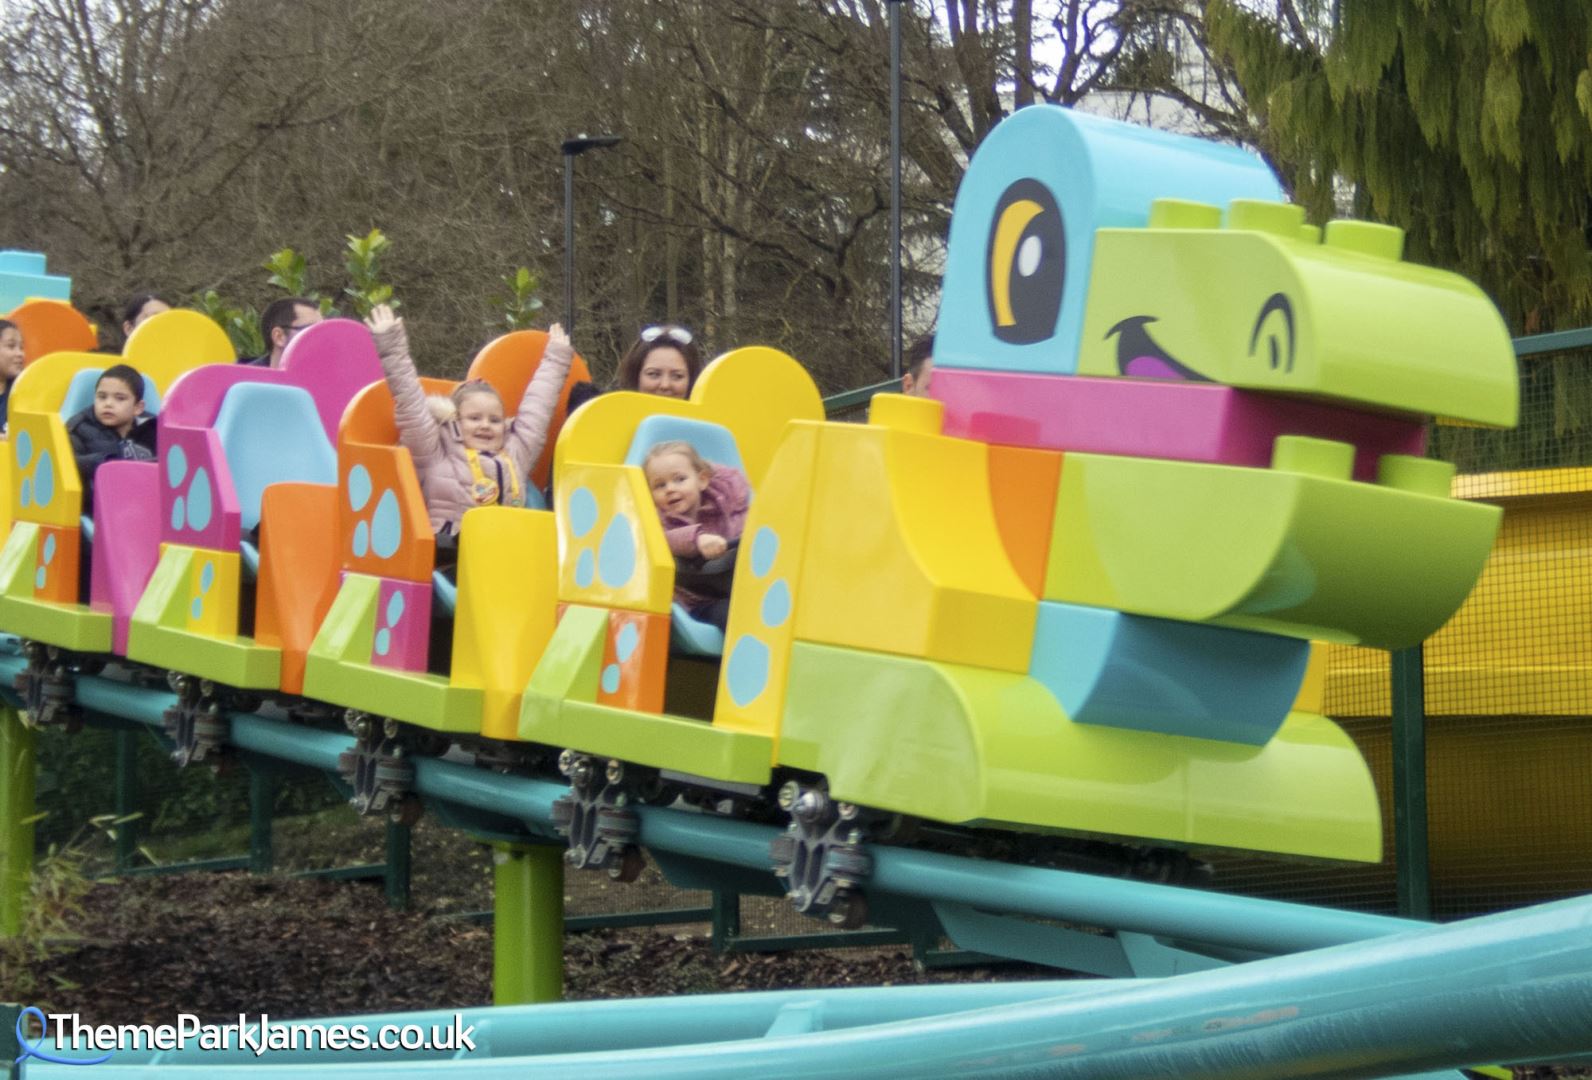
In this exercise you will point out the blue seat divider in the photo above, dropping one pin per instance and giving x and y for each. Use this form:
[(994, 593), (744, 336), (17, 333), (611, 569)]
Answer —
[(713, 441), (444, 592), (251, 560), (272, 434), (691, 637), (80, 393)]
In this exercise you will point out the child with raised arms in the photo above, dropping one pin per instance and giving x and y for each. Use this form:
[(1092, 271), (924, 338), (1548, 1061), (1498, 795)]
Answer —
[(465, 452), (703, 507)]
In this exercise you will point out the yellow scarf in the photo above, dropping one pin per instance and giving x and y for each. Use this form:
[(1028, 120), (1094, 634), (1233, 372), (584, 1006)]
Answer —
[(484, 490)]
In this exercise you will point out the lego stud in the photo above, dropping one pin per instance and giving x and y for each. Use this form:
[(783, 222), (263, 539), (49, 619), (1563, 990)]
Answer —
[(1367, 238), (1260, 215), (1184, 214), (1418, 475), (1326, 458)]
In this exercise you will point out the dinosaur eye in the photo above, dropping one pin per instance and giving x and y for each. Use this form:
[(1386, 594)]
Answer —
[(1027, 264), (1273, 336)]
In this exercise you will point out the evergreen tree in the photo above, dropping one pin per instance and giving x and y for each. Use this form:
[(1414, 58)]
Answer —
[(1465, 122)]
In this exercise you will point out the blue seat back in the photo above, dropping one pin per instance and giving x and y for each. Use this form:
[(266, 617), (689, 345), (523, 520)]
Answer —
[(272, 433), (713, 441), (80, 393)]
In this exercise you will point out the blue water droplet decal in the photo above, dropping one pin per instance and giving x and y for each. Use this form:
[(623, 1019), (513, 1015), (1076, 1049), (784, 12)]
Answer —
[(358, 487), (361, 539), (395, 607), (582, 511), (383, 641), (616, 556), (199, 500), (197, 607), (625, 644), (24, 449), (747, 671), (39, 578), (25, 493), (177, 517), (765, 546), (49, 549), (44, 479), (386, 526), (776, 604), (207, 577), (585, 569), (176, 466), (611, 679)]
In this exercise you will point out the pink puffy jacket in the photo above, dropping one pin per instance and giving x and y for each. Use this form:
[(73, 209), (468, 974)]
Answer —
[(436, 447)]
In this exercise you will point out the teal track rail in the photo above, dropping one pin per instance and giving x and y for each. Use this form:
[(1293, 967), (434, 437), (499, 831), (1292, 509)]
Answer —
[(1509, 987)]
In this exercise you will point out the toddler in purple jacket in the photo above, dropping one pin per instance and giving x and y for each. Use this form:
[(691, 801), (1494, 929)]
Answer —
[(703, 507)]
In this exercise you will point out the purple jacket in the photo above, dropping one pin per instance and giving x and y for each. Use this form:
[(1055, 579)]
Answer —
[(438, 451), (722, 512)]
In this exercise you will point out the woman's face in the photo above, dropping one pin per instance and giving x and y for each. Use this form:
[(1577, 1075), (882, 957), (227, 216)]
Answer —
[(664, 372), (11, 355)]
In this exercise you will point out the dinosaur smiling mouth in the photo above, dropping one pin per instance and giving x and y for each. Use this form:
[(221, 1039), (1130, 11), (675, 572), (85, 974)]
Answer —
[(1139, 357)]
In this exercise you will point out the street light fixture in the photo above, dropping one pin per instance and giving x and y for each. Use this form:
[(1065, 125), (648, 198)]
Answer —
[(571, 149)]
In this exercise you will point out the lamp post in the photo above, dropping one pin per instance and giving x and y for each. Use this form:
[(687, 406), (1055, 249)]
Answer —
[(571, 149)]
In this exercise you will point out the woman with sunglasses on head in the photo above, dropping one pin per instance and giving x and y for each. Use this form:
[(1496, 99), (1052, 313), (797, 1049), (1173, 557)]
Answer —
[(663, 361)]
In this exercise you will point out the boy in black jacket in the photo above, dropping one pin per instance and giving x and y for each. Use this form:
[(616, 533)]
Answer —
[(114, 428)]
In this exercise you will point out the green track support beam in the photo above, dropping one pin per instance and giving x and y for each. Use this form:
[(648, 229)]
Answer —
[(126, 799), (395, 874), (262, 803), (1409, 784), (17, 769), (528, 924)]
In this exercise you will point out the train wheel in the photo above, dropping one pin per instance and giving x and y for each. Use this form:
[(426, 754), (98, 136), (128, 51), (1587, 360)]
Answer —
[(822, 854)]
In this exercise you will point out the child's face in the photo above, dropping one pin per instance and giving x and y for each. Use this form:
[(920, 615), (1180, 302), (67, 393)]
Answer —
[(676, 485), (116, 406), (664, 372), (481, 422), (11, 356)]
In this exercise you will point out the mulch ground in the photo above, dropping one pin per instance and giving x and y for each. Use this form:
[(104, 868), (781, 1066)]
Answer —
[(141, 949)]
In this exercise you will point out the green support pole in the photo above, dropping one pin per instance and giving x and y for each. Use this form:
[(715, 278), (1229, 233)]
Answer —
[(17, 766), (528, 924), (262, 804), (1409, 784), (396, 873), (726, 919), (126, 799)]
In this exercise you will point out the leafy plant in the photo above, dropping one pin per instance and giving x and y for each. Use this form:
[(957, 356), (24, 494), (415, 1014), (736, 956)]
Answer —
[(54, 908), (290, 274), (363, 260), (522, 302), (241, 324)]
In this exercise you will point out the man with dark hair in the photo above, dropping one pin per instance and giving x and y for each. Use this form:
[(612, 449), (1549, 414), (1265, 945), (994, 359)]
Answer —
[(283, 319), (920, 367)]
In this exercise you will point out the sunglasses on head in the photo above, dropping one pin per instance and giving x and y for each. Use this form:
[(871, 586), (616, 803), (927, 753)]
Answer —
[(677, 334)]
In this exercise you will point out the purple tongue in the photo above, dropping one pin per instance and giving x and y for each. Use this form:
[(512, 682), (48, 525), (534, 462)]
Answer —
[(1150, 367)]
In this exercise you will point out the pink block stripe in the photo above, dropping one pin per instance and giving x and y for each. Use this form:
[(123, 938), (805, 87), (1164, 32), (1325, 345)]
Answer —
[(1180, 421)]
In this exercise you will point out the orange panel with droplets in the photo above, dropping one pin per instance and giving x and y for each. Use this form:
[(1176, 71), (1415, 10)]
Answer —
[(635, 660)]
